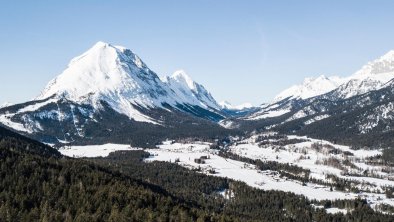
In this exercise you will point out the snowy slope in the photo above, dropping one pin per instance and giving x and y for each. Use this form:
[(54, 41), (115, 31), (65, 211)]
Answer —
[(5, 105), (292, 97), (311, 87), (381, 69), (271, 110)]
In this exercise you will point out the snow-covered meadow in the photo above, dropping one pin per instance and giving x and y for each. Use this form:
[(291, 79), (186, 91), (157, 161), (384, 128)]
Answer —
[(93, 150)]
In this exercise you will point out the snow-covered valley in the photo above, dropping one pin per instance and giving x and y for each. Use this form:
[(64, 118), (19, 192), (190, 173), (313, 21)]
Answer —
[(324, 160)]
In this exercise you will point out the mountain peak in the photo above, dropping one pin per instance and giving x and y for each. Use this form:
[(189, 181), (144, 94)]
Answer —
[(112, 74), (388, 56), (103, 68), (381, 69), (181, 77), (309, 80), (117, 76), (101, 44), (104, 47)]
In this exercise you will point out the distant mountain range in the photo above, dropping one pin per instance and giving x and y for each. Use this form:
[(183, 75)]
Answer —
[(372, 76), (108, 94), (355, 110)]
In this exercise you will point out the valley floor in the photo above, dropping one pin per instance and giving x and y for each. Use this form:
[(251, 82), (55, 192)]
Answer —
[(370, 180)]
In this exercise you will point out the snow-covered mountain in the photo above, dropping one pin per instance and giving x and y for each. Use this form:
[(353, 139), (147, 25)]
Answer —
[(229, 106), (119, 77), (362, 120), (111, 74), (357, 112), (235, 111), (371, 76), (108, 85)]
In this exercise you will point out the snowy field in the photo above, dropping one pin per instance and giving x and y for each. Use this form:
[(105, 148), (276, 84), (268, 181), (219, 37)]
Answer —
[(302, 155), (238, 170), (185, 155), (93, 150)]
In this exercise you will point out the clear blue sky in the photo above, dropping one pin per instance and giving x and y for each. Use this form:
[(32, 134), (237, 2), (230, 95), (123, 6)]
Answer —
[(240, 50)]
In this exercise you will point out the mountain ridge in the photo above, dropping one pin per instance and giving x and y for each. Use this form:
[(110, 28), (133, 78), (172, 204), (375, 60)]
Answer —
[(370, 76)]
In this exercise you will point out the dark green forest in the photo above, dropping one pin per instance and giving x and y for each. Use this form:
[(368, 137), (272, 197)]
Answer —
[(38, 184)]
